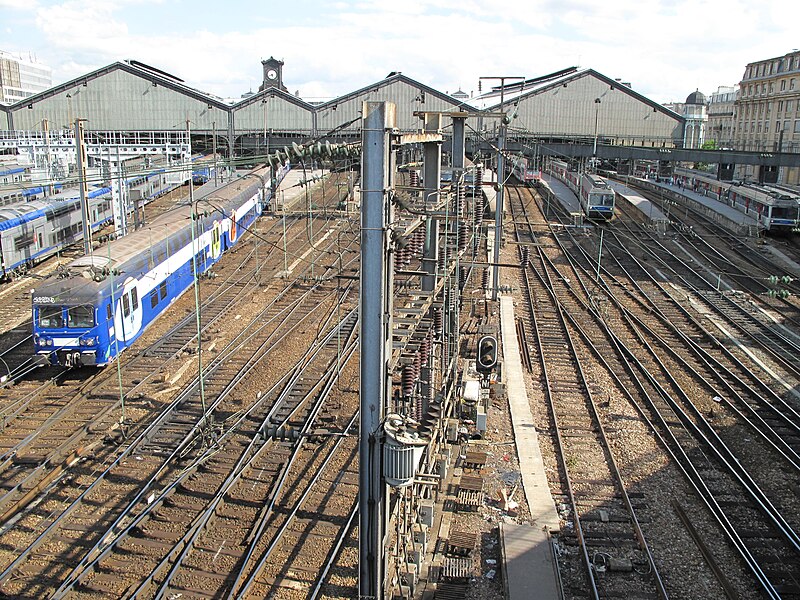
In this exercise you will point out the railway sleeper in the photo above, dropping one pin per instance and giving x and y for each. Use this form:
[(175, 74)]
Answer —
[(101, 583)]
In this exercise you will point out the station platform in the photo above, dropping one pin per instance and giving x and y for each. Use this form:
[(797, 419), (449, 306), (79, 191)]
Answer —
[(643, 205), (563, 194), (290, 191), (528, 561), (722, 208)]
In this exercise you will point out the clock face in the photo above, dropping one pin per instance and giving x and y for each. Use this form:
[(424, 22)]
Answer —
[(272, 74)]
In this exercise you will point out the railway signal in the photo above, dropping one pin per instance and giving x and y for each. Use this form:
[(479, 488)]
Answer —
[(487, 353)]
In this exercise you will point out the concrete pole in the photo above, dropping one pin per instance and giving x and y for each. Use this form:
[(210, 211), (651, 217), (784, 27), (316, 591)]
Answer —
[(375, 318)]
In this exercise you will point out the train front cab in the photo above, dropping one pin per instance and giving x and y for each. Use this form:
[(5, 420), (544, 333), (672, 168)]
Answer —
[(80, 333), (600, 205), (67, 334)]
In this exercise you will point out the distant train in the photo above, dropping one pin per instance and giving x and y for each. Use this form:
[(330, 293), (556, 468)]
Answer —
[(595, 195), (100, 304), (33, 231), (42, 225), (521, 168), (776, 209)]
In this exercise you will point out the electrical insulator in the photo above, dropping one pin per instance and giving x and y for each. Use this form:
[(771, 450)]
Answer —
[(487, 353)]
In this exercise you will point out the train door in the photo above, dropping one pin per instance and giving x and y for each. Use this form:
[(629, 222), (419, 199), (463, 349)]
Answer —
[(232, 232), (215, 240), (39, 234), (128, 314)]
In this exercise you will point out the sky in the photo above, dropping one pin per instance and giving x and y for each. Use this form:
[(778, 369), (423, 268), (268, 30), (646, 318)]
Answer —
[(666, 49)]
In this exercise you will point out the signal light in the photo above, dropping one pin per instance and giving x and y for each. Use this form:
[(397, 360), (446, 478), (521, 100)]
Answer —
[(487, 353)]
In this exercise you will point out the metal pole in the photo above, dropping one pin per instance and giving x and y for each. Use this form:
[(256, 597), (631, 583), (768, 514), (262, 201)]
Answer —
[(498, 210), (375, 336), (458, 142), (196, 282), (431, 177), (80, 153), (214, 149), (596, 117), (600, 254)]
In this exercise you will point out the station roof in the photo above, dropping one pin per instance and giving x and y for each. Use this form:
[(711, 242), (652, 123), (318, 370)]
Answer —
[(516, 91)]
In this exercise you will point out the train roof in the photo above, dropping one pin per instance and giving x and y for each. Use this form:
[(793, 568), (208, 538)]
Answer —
[(17, 213), (765, 194), (125, 254)]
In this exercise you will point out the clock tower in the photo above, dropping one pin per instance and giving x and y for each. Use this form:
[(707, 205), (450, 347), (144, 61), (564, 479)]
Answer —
[(273, 74)]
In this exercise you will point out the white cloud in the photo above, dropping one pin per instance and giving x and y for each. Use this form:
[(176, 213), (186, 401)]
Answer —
[(665, 48), (18, 4)]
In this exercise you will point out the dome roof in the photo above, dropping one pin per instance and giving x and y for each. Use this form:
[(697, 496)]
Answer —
[(696, 97)]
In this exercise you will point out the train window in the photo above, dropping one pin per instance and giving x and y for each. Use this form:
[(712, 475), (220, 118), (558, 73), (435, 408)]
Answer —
[(126, 305), (23, 241), (109, 311), (80, 316), (162, 290), (135, 298), (153, 298), (51, 317)]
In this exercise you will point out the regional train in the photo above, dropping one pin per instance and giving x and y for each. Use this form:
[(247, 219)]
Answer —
[(776, 209), (595, 195), (98, 305), (521, 168)]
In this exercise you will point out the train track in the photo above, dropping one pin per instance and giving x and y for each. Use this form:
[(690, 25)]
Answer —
[(217, 510), (602, 518), (46, 426), (159, 352), (694, 442)]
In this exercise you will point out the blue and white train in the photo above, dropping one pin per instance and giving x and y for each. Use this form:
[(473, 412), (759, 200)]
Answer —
[(100, 304), (595, 195)]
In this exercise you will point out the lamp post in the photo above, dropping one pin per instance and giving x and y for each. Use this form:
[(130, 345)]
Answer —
[(596, 119), (266, 140), (498, 213)]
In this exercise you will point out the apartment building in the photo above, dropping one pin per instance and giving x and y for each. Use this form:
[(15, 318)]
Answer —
[(20, 78), (767, 114)]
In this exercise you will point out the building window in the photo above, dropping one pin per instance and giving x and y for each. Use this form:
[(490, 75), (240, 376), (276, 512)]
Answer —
[(786, 125), (777, 126), (797, 126), (783, 85), (791, 83), (788, 106)]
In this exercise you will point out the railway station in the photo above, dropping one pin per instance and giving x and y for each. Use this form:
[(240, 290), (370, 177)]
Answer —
[(397, 345)]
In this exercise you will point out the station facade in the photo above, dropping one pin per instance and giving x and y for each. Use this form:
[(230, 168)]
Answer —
[(130, 96)]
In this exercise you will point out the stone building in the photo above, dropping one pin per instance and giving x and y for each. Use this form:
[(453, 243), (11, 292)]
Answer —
[(695, 111), (721, 109), (768, 113)]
